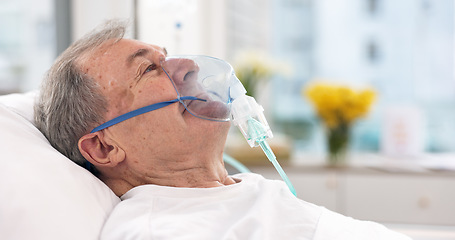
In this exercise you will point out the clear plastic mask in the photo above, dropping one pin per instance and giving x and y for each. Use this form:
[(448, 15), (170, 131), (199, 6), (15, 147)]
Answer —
[(209, 79)]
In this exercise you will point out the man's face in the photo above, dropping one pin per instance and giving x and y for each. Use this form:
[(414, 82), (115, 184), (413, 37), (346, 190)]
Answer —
[(130, 76)]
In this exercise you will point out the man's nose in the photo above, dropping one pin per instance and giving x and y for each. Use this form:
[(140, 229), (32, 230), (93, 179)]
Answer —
[(181, 70)]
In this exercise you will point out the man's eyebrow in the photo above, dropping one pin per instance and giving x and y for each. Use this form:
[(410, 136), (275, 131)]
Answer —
[(139, 53)]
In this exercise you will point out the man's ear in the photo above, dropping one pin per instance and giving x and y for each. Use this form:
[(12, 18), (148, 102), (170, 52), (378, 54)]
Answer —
[(100, 150)]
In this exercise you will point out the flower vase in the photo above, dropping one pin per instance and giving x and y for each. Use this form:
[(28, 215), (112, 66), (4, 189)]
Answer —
[(338, 145)]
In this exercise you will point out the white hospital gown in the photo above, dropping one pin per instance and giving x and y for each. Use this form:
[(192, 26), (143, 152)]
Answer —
[(255, 208)]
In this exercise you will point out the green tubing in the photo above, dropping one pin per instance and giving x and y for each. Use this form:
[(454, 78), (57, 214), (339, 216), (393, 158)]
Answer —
[(269, 153), (257, 132)]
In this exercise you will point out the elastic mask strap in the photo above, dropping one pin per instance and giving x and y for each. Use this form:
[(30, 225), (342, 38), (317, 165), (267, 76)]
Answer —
[(142, 110)]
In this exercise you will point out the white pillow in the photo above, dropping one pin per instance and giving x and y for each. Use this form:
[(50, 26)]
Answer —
[(44, 195)]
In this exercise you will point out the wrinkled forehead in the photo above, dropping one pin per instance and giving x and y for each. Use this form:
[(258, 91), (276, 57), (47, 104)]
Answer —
[(114, 52)]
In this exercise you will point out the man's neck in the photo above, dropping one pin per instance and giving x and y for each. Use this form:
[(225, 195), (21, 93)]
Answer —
[(204, 174)]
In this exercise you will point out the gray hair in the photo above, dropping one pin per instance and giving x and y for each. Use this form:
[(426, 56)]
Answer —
[(70, 103)]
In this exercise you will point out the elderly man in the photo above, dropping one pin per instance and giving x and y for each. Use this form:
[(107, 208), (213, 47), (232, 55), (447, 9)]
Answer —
[(167, 164)]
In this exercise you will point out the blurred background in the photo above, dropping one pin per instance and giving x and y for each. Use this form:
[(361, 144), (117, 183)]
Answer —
[(403, 50)]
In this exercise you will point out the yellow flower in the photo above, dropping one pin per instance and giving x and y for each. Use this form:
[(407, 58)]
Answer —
[(339, 104)]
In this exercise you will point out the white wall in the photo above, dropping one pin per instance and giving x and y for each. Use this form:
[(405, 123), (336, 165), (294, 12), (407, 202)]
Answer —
[(88, 14), (202, 22), (184, 26)]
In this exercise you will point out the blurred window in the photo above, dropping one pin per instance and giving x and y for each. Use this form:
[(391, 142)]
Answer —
[(404, 49), (27, 43)]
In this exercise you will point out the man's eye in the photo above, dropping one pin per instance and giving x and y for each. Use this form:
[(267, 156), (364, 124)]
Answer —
[(151, 68)]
